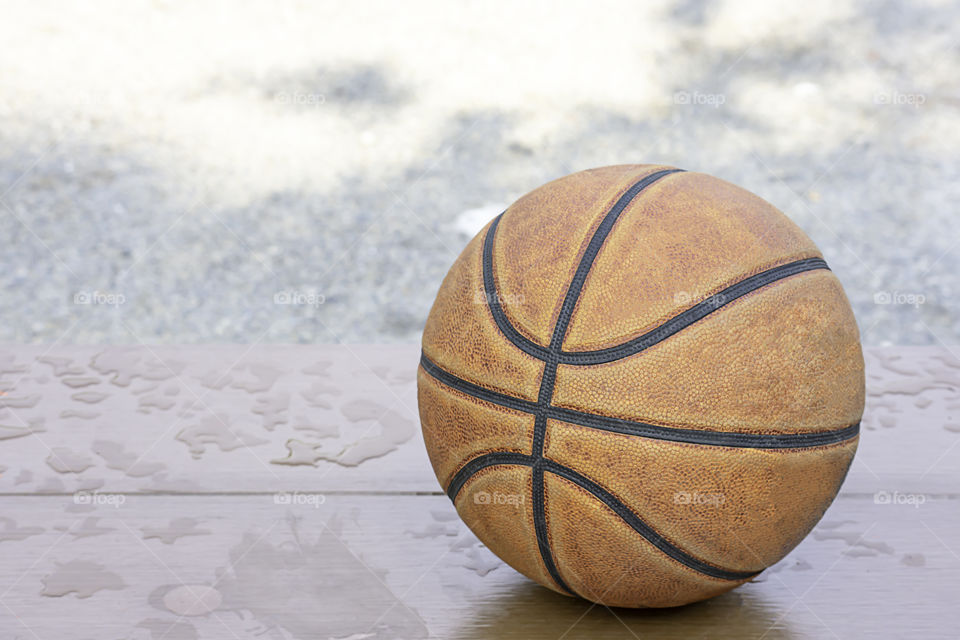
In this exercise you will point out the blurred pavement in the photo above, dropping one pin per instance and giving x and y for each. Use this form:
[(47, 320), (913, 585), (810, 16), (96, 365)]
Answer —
[(177, 172)]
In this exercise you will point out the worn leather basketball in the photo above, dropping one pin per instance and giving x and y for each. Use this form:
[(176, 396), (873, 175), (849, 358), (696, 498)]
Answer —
[(641, 386)]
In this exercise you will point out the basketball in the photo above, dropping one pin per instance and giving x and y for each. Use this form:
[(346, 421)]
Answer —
[(640, 385)]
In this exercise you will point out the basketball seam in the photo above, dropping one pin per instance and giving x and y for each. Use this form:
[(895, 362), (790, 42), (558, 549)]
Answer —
[(590, 255), (642, 429), (549, 377), (635, 345), (607, 498), (482, 462), (493, 300), (693, 314), (475, 390), (706, 437), (637, 524)]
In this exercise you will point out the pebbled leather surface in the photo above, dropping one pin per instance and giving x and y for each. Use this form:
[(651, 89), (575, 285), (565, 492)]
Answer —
[(605, 561), (462, 427), (504, 527), (683, 240), (737, 508), (540, 243), (462, 336), (782, 359)]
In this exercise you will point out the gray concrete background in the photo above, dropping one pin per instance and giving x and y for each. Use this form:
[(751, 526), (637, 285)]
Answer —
[(167, 170)]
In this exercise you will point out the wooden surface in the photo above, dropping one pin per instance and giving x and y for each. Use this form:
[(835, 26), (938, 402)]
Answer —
[(284, 492)]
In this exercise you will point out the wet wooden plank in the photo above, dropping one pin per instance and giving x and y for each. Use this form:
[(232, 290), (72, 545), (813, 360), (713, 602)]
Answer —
[(151, 492), (911, 426), (210, 418), (236, 418), (339, 566)]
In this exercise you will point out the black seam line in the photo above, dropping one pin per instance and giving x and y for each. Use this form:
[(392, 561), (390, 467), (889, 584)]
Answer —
[(590, 254), (493, 300), (524, 343), (693, 314), (540, 527), (475, 390), (641, 527), (539, 516), (621, 510), (539, 492), (645, 430), (482, 462), (711, 438), (549, 378)]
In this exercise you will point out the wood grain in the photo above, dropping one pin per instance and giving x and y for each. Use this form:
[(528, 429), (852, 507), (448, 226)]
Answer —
[(177, 513)]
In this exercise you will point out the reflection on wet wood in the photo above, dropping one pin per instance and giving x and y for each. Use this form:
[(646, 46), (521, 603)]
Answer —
[(283, 492), (311, 565)]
